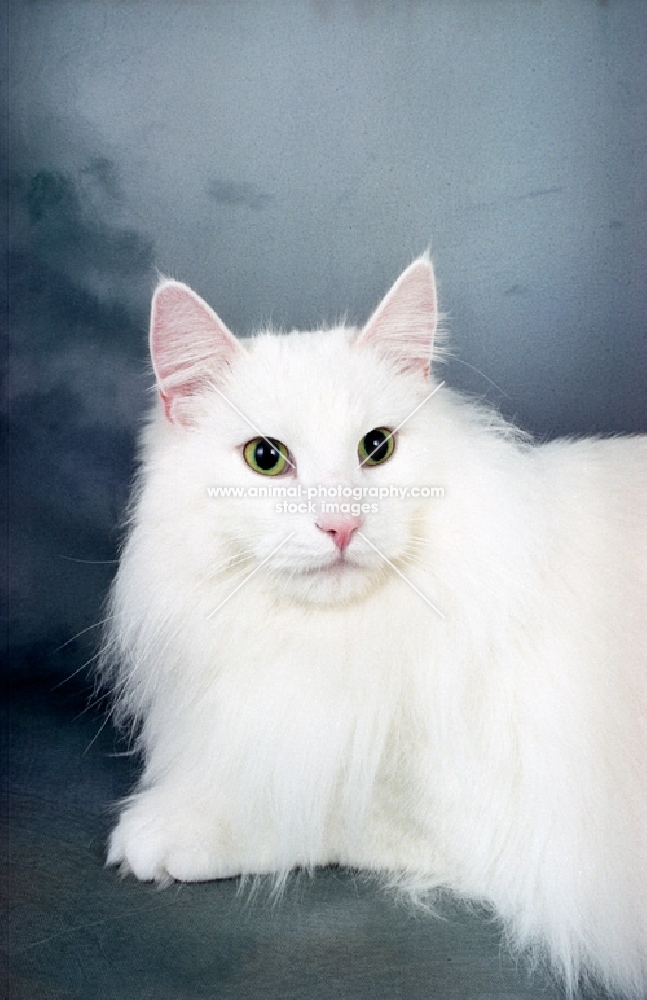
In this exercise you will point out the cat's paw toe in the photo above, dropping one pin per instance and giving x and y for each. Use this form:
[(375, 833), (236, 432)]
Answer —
[(138, 846), (158, 843), (193, 863)]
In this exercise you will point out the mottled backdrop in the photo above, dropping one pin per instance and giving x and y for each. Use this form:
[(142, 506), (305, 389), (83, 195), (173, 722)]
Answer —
[(288, 159)]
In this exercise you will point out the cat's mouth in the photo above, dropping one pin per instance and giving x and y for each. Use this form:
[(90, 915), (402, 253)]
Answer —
[(336, 566), (332, 579)]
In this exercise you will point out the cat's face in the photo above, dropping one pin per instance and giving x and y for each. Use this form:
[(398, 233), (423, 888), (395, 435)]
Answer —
[(313, 431)]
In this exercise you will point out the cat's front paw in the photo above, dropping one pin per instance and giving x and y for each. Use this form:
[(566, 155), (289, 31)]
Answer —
[(157, 841)]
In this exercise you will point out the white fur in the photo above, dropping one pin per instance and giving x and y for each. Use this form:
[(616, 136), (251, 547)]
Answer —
[(328, 714)]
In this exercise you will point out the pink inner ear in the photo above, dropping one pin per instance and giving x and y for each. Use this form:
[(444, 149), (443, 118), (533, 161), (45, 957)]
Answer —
[(189, 345), (403, 326)]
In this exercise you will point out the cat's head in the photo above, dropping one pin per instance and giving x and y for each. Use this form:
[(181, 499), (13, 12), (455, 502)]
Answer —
[(293, 422)]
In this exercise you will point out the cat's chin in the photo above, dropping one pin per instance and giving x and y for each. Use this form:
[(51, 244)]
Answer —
[(334, 583)]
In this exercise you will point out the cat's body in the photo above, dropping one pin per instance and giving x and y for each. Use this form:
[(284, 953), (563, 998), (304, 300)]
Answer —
[(451, 690)]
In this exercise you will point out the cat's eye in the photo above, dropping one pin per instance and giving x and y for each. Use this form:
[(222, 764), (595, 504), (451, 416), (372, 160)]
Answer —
[(376, 447), (267, 456)]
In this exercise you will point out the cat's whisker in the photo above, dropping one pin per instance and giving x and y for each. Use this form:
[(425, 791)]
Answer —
[(456, 360), (84, 666), (83, 631), (89, 562), (96, 736), (91, 705)]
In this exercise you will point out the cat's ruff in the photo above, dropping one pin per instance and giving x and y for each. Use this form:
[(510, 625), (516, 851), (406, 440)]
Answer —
[(296, 701)]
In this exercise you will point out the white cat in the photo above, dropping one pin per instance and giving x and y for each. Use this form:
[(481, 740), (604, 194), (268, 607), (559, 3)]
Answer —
[(448, 689)]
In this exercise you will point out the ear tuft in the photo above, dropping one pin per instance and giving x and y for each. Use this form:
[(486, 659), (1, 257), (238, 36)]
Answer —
[(189, 345), (403, 326)]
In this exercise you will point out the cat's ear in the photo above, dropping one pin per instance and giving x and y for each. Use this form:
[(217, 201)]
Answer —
[(189, 346), (403, 326)]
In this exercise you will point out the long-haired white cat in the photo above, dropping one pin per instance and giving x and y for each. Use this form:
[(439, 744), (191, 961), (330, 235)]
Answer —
[(447, 685)]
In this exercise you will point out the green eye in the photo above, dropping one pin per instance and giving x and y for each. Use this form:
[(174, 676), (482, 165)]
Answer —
[(267, 456), (376, 447)]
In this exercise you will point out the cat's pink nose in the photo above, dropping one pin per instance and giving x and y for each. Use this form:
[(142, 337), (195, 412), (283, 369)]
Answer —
[(340, 527)]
